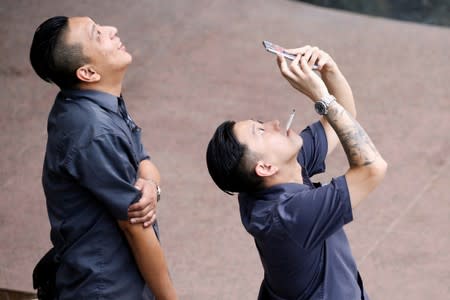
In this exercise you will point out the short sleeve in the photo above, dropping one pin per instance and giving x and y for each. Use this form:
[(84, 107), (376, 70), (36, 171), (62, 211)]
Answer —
[(314, 150), (311, 216), (142, 153), (105, 167)]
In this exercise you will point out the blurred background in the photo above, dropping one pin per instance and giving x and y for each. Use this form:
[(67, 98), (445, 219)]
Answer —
[(198, 63), (436, 12)]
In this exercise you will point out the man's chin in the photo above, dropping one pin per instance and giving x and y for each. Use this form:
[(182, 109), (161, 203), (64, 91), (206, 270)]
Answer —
[(298, 142), (130, 58)]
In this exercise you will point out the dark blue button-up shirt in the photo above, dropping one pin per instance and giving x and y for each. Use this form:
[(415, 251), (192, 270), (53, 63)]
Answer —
[(298, 231), (90, 167)]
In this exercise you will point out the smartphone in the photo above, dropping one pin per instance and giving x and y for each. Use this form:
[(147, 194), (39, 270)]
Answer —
[(276, 49)]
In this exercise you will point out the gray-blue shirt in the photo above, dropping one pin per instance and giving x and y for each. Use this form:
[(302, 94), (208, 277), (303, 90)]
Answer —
[(91, 162), (298, 231)]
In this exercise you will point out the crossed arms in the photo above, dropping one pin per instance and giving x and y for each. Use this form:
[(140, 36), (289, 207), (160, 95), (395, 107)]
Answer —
[(142, 239)]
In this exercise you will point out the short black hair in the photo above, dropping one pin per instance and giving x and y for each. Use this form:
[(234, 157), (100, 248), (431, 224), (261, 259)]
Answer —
[(230, 163), (52, 58)]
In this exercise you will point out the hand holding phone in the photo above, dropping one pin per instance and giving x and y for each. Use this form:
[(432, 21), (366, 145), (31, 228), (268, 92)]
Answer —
[(276, 49)]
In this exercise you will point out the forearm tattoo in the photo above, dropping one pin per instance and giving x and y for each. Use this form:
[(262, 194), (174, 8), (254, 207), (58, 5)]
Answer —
[(356, 142)]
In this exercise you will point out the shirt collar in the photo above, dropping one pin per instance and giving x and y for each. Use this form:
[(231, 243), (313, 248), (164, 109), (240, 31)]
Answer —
[(105, 100), (273, 192)]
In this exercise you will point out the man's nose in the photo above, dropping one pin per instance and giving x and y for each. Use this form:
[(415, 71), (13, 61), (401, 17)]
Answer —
[(112, 31), (276, 125)]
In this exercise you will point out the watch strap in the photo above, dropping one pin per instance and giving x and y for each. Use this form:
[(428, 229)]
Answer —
[(328, 99), (158, 189), (321, 105)]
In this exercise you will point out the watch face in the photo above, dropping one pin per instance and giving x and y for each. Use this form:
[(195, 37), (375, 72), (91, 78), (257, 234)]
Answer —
[(320, 107)]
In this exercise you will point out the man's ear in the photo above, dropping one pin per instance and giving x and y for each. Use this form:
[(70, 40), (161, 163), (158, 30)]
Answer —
[(264, 169), (87, 73)]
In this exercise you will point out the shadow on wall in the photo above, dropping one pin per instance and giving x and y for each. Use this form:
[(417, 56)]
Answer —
[(434, 12)]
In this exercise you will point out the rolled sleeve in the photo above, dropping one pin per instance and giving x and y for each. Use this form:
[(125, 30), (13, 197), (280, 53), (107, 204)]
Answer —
[(311, 216), (105, 167)]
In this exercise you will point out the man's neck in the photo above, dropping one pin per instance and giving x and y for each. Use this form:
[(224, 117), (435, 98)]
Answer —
[(290, 173), (115, 90), (111, 84)]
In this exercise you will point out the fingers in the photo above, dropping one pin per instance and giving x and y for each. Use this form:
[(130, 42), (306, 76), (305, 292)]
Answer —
[(144, 211), (308, 53), (313, 55), (322, 60), (151, 222), (284, 68), (141, 213), (304, 65), (143, 206), (291, 70), (148, 196), (146, 220), (299, 72), (300, 50), (145, 216), (139, 184), (298, 68), (140, 205)]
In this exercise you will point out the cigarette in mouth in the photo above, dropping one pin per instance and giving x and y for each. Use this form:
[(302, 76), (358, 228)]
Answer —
[(289, 122)]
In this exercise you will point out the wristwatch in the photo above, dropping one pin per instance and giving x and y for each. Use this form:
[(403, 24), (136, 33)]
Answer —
[(158, 193), (321, 106), (158, 189)]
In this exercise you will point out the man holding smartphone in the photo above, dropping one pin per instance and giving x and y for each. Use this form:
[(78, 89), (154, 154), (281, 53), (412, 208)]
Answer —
[(99, 182), (298, 225)]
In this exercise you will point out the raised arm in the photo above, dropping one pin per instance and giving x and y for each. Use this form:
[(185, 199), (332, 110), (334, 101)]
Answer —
[(150, 259), (335, 82), (338, 86), (366, 166)]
